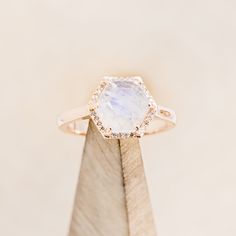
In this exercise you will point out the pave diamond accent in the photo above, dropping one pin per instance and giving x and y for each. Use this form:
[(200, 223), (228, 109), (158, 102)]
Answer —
[(122, 107)]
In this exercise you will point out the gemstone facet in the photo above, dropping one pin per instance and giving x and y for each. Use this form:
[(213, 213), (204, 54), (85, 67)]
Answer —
[(121, 106)]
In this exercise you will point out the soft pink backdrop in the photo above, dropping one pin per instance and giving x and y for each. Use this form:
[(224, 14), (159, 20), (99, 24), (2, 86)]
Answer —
[(52, 55)]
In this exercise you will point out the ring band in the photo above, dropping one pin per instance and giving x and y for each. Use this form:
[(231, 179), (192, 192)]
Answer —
[(156, 120), (75, 121)]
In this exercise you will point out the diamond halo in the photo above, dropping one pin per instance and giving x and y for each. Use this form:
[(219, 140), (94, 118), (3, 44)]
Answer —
[(113, 100)]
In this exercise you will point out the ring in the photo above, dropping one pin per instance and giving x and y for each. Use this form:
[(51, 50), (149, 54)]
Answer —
[(121, 107)]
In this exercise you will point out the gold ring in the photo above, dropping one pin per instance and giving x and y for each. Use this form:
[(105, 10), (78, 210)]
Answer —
[(121, 107)]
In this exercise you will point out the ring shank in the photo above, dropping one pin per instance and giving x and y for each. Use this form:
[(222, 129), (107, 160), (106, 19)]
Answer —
[(164, 120), (76, 121)]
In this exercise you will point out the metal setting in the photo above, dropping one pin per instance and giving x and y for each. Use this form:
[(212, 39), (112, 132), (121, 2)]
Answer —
[(71, 121)]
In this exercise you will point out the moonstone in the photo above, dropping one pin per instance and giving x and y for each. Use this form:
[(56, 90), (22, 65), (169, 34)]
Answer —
[(122, 106)]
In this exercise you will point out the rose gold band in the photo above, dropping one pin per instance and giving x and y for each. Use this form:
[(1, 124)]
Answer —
[(76, 121)]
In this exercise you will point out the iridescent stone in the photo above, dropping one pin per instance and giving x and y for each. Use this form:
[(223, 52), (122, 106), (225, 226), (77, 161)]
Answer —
[(123, 105)]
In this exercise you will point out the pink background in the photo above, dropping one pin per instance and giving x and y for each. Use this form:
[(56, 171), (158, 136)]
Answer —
[(52, 56)]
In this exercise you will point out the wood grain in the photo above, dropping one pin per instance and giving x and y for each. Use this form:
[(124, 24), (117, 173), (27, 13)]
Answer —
[(112, 196)]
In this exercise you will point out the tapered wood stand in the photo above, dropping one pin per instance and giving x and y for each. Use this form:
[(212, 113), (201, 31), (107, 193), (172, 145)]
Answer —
[(112, 196)]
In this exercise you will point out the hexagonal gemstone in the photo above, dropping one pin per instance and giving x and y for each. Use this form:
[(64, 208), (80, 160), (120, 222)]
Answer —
[(123, 105)]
